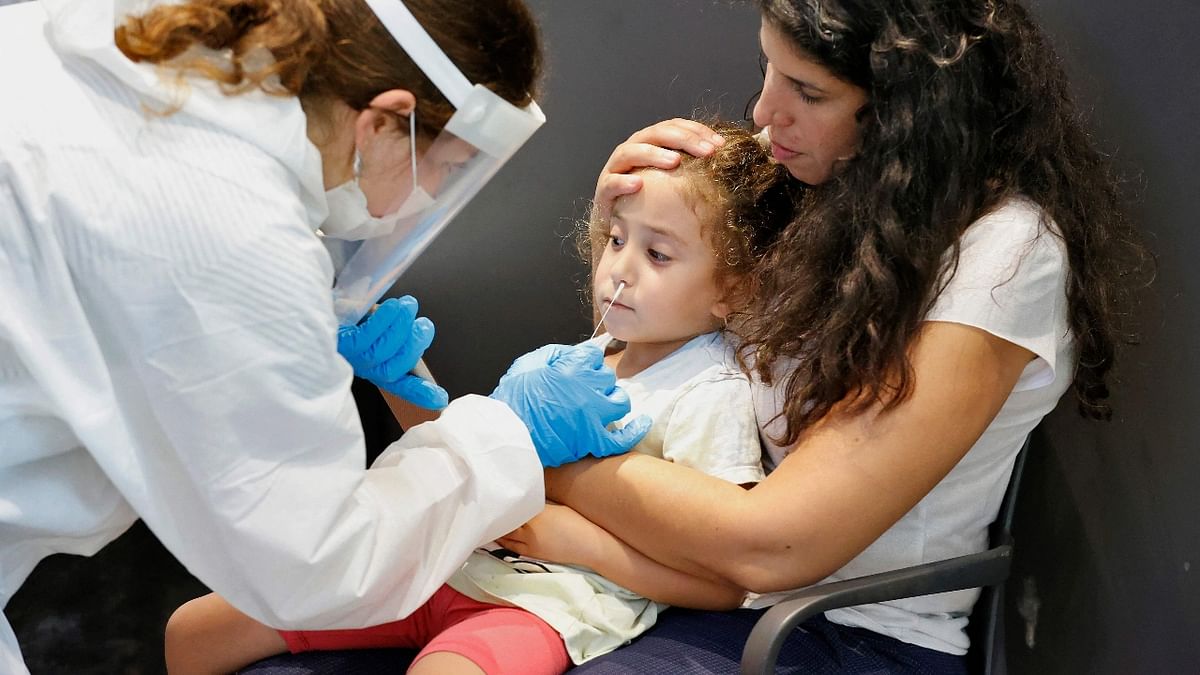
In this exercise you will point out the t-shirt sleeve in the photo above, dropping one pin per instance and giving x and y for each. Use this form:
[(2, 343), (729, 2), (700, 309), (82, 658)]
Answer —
[(1011, 282), (712, 428)]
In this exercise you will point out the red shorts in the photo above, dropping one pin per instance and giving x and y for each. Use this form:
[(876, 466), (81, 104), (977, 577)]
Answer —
[(500, 640)]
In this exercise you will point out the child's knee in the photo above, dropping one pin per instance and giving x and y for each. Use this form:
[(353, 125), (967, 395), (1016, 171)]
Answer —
[(183, 621), (182, 634), (208, 635)]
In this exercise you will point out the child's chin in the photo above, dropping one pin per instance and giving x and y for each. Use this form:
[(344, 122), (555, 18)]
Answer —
[(618, 335)]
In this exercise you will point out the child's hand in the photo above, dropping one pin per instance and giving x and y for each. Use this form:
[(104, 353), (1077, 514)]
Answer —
[(558, 534)]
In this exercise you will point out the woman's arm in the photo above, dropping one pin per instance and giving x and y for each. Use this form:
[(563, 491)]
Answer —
[(848, 479), (560, 534), (233, 431)]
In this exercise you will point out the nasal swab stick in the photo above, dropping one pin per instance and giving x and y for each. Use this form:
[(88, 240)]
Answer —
[(612, 302), (422, 371)]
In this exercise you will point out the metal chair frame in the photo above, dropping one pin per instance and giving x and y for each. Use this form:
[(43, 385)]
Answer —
[(988, 569)]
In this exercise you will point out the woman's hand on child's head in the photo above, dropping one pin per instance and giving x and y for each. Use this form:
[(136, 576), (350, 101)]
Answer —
[(558, 534), (655, 146)]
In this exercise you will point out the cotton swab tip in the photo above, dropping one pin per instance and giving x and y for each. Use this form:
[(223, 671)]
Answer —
[(620, 287)]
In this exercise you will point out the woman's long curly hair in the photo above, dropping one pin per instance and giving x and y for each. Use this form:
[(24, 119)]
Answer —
[(743, 198), (967, 107), (327, 50)]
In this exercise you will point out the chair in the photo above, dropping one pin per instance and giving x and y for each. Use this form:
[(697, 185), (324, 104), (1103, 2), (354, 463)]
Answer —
[(987, 569)]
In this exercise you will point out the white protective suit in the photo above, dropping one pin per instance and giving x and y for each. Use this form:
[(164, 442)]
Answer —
[(167, 351)]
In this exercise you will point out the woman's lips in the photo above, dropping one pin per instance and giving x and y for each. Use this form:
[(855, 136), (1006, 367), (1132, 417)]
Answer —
[(782, 153)]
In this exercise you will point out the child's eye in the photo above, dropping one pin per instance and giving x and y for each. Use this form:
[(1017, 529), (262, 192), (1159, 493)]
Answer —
[(658, 257), (615, 241)]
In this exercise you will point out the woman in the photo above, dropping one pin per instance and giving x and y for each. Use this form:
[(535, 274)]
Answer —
[(167, 344), (953, 271)]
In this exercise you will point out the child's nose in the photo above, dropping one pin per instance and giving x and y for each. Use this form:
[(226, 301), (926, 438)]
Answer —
[(623, 269)]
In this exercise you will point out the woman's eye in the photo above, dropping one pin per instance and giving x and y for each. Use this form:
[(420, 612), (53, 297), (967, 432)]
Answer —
[(658, 257), (805, 96)]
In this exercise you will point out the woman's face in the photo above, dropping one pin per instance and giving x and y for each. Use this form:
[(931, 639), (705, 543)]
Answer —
[(387, 179), (809, 113)]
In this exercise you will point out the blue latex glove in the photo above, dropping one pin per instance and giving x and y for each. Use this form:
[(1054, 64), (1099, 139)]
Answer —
[(566, 396), (386, 346)]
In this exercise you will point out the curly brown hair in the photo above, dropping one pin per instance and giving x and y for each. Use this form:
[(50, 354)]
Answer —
[(743, 199), (967, 107), (327, 50)]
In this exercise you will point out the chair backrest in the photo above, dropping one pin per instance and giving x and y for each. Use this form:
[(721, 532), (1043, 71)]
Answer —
[(987, 626), (1001, 530)]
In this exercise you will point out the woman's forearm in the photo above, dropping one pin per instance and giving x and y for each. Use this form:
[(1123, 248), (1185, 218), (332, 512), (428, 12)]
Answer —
[(621, 563), (665, 511), (849, 478)]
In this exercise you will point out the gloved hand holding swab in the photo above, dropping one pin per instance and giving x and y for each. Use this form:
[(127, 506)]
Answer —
[(620, 287)]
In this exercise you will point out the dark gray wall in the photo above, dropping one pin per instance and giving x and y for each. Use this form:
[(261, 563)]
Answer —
[(1108, 536)]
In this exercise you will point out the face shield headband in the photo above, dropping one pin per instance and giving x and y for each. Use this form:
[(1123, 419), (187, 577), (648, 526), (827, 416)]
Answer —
[(482, 134)]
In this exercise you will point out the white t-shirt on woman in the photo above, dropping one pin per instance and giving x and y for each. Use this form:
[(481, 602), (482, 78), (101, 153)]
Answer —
[(1010, 282)]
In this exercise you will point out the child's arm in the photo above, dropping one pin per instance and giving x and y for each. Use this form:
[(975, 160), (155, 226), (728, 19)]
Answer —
[(408, 414), (207, 636), (560, 534)]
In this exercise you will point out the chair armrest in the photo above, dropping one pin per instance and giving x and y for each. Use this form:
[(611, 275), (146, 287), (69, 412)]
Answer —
[(968, 571)]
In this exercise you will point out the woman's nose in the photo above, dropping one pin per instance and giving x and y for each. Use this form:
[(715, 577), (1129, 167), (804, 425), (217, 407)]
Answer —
[(767, 111)]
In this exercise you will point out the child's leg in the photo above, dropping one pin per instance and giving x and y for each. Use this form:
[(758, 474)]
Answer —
[(207, 636), (493, 640), (445, 663), (413, 631)]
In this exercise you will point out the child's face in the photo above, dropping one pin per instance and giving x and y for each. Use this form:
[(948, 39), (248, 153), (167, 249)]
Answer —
[(656, 247)]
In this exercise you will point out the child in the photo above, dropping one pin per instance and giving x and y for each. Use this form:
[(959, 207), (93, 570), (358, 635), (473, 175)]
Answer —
[(683, 248)]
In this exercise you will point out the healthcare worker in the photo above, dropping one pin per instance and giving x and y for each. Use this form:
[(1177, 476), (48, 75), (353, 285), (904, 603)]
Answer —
[(168, 182)]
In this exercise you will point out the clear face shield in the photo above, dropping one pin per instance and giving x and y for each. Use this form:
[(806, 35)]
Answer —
[(438, 179)]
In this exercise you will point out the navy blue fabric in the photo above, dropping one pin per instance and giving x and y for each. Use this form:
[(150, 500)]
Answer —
[(688, 642), (685, 642)]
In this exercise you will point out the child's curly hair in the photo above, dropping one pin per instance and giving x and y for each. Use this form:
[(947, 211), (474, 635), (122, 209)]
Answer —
[(743, 199)]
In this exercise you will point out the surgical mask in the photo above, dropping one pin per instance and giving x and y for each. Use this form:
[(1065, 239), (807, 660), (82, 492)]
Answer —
[(350, 219), (482, 134)]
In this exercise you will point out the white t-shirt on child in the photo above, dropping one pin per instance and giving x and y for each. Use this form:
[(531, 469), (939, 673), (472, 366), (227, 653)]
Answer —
[(1010, 282), (703, 418)]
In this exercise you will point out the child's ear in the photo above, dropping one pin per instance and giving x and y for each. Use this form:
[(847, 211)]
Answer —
[(722, 309), (731, 300)]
